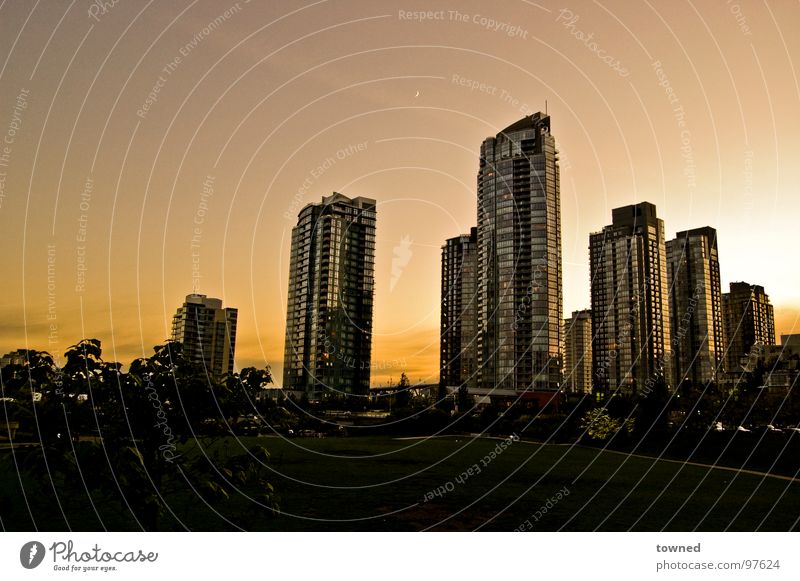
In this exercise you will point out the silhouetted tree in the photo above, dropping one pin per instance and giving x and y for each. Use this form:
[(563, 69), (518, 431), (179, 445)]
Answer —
[(402, 395), (465, 400), (652, 410), (122, 438)]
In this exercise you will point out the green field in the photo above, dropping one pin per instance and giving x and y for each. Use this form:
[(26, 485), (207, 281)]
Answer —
[(380, 484)]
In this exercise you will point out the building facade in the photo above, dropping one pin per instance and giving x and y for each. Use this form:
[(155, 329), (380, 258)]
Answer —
[(630, 303), (18, 358), (519, 258), (458, 346), (749, 324), (207, 332), (331, 283), (697, 320), (791, 343), (578, 353)]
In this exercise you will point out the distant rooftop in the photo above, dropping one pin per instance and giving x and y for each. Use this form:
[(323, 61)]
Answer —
[(198, 299), (528, 123), (360, 201)]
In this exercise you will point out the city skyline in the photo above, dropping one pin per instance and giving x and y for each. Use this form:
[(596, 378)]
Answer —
[(709, 232), (139, 200)]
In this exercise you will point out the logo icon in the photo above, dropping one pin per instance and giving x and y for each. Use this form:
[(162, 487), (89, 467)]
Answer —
[(401, 256), (31, 554)]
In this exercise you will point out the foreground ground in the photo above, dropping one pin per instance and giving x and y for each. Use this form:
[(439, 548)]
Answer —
[(424, 484)]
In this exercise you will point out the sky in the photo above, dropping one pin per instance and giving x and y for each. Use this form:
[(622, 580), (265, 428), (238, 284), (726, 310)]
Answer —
[(149, 149)]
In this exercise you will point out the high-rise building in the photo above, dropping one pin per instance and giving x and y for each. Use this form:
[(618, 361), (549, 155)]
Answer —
[(207, 333), (18, 357), (696, 317), (459, 318), (791, 343), (519, 258), (749, 324), (578, 353), (329, 313), (630, 303)]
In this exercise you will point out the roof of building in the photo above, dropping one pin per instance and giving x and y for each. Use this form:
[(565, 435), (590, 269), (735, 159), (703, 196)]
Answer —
[(529, 122)]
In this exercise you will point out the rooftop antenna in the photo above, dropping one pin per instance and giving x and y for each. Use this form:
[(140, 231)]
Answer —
[(545, 106)]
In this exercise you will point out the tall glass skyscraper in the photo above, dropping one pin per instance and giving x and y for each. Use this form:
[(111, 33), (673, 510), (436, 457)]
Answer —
[(459, 317), (207, 333), (631, 345), (519, 258), (578, 353), (329, 313), (749, 324), (697, 321)]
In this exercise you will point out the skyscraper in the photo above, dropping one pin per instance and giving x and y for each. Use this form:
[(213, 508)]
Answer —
[(18, 357), (697, 327), (459, 318), (519, 258), (207, 333), (630, 303), (329, 313), (749, 323), (578, 353)]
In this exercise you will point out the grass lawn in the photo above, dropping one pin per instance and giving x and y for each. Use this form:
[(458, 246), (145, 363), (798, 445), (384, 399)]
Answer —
[(382, 484), (343, 484)]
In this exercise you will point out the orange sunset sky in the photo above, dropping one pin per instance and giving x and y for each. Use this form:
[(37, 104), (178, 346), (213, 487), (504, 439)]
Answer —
[(114, 121)]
